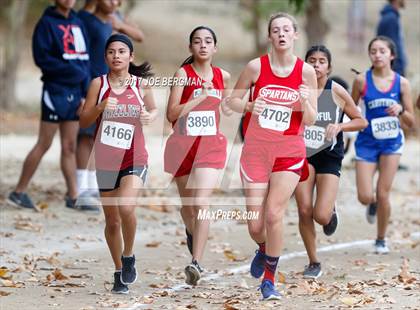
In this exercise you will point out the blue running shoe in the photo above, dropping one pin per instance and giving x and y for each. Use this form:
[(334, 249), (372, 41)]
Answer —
[(257, 264), (269, 291), (21, 200)]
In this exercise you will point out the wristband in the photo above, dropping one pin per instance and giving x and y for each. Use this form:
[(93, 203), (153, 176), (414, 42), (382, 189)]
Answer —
[(402, 110)]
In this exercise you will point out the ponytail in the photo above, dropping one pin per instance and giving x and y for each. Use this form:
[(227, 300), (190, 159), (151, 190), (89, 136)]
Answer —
[(143, 71), (188, 61)]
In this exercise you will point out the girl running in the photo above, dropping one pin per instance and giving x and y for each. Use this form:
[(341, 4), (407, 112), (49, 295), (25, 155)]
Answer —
[(387, 99), (196, 150), (282, 101), (121, 104), (324, 151)]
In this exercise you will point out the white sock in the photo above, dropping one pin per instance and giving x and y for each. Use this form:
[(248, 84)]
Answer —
[(93, 184), (82, 180)]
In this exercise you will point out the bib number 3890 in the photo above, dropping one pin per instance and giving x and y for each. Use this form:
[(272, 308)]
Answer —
[(201, 123), (275, 117), (385, 127), (117, 134)]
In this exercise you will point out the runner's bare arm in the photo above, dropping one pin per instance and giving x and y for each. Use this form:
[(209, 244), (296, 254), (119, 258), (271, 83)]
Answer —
[(149, 114), (175, 109), (357, 89), (407, 116), (358, 122), (226, 92), (247, 78), (309, 102), (91, 110)]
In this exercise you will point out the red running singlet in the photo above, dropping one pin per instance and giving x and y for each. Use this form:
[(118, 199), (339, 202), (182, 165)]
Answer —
[(119, 139), (196, 140)]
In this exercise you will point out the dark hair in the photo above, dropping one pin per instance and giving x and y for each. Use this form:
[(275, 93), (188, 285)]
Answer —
[(280, 15), (340, 81), (143, 70), (322, 49), (389, 43), (190, 59)]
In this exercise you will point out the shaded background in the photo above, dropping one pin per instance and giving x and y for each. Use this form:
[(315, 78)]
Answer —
[(241, 27)]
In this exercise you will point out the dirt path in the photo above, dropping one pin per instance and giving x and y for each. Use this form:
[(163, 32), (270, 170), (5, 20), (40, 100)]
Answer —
[(37, 247)]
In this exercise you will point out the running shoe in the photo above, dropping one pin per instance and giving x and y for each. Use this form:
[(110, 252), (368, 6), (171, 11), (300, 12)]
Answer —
[(331, 227), (72, 204), (257, 264), (129, 272), (119, 287), (21, 200), (312, 271), (189, 241), (371, 212), (268, 291), (381, 247), (193, 273)]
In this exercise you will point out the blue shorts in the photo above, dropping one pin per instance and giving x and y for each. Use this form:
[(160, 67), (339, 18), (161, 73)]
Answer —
[(90, 131), (370, 149), (60, 103)]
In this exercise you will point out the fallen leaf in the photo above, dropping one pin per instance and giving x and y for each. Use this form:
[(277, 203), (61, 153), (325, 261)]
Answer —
[(405, 276), (3, 272), (349, 301), (153, 244), (281, 277), (3, 293), (39, 207)]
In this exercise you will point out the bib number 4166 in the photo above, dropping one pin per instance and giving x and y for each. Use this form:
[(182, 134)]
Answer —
[(117, 134)]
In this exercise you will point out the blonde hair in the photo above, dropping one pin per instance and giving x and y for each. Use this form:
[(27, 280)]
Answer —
[(284, 15)]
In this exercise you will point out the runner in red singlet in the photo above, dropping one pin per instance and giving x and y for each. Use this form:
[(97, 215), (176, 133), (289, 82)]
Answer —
[(120, 103), (196, 150), (282, 102)]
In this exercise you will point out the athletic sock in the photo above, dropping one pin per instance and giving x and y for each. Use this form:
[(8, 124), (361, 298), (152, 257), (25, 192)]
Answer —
[(270, 267), (82, 180), (92, 182), (261, 247)]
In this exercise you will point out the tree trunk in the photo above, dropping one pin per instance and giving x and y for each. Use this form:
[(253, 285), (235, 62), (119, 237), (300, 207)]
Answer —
[(316, 27), (11, 51)]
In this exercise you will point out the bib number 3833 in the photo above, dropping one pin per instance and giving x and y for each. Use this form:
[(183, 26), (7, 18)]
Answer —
[(385, 127), (117, 134), (201, 123), (314, 137), (275, 117)]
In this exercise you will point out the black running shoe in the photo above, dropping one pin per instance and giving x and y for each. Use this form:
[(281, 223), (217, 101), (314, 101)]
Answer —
[(119, 288), (129, 272), (193, 273), (312, 271), (21, 200), (371, 212), (331, 227)]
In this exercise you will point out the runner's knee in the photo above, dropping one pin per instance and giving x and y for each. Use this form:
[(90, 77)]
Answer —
[(305, 211), (68, 148), (365, 198)]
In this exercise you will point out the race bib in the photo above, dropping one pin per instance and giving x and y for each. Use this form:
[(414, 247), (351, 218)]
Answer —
[(385, 127), (314, 137), (201, 123), (275, 117), (117, 134)]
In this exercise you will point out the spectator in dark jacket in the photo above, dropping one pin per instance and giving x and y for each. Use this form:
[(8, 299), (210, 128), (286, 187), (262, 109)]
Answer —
[(390, 26)]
